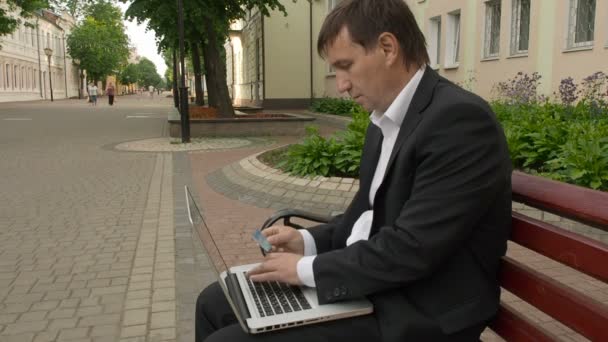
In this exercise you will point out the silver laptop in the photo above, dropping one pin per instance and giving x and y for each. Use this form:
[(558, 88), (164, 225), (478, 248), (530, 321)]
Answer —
[(267, 306)]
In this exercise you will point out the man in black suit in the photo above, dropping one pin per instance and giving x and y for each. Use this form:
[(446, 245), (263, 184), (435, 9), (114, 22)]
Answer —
[(423, 237)]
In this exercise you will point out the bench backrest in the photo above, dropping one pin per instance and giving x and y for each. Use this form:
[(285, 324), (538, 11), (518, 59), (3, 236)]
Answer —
[(572, 308)]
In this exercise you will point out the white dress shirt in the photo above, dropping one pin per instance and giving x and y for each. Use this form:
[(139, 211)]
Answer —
[(389, 123)]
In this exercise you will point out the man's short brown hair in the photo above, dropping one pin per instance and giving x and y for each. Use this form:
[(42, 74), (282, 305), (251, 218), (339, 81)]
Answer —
[(367, 19)]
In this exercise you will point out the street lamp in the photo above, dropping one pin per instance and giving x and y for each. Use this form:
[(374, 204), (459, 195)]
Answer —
[(77, 62), (49, 53)]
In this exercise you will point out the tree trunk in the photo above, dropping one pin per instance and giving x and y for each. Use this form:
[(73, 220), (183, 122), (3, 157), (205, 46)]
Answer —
[(175, 93), (198, 79), (209, 77), (217, 68)]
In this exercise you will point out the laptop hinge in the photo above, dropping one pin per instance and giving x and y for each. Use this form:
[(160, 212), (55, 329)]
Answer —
[(237, 296)]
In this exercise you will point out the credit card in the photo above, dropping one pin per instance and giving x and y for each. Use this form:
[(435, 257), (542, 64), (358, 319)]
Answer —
[(262, 241)]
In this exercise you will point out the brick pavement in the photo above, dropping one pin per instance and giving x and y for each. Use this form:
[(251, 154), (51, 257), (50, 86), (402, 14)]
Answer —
[(86, 239)]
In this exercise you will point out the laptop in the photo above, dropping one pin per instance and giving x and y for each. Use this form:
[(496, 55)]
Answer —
[(267, 306)]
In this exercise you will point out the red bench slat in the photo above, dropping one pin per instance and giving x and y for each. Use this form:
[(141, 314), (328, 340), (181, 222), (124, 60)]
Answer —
[(581, 204), (581, 313), (512, 326), (579, 252)]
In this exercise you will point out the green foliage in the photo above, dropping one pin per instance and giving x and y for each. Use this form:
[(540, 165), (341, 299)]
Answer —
[(329, 105), (21, 8), (129, 74), (147, 74), (565, 143), (339, 155), (568, 143), (100, 41)]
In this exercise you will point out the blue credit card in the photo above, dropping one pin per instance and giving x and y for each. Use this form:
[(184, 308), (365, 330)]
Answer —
[(262, 241)]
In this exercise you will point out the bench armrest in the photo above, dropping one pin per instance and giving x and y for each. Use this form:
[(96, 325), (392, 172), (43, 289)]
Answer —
[(287, 214)]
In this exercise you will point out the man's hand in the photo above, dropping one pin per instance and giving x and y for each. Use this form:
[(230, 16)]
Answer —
[(285, 239), (281, 267)]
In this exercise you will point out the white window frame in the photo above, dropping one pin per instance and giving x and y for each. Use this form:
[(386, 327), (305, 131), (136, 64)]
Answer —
[(434, 41), (452, 46), (489, 33), (331, 4), (516, 17), (572, 26)]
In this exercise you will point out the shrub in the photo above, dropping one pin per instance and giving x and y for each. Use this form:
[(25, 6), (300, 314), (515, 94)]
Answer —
[(521, 89), (565, 143), (339, 155), (338, 106)]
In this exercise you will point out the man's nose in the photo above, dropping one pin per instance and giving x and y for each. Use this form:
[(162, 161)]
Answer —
[(343, 84)]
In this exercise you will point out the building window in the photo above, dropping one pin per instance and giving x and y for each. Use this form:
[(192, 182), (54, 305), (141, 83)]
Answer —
[(492, 29), (520, 27), (434, 39), (8, 77), (331, 4), (581, 24), (15, 73), (452, 52)]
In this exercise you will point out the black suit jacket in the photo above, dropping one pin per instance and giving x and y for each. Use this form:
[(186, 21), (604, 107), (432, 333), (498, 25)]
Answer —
[(441, 220)]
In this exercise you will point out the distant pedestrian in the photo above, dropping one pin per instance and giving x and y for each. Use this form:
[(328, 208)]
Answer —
[(151, 89), (110, 91), (93, 94)]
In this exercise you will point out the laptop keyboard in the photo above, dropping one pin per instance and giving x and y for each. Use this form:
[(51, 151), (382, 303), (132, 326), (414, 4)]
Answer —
[(273, 298)]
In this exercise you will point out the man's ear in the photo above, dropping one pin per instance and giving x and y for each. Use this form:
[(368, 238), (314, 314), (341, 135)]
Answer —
[(389, 46)]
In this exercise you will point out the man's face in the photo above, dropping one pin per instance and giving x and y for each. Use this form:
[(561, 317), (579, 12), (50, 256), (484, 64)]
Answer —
[(360, 73)]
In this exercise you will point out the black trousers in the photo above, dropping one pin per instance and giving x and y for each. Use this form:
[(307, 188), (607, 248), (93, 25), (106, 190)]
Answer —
[(111, 99), (215, 322)]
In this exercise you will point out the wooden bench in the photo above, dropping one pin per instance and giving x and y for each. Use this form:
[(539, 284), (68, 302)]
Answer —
[(575, 309)]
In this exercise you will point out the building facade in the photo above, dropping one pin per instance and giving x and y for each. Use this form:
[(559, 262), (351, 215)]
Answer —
[(478, 43), (273, 62), (24, 66)]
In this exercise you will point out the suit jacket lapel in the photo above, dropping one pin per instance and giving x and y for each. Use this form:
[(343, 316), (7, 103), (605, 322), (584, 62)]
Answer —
[(369, 159), (422, 98)]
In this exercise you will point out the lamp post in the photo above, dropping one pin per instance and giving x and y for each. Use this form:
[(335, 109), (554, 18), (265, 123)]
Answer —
[(49, 53), (76, 61)]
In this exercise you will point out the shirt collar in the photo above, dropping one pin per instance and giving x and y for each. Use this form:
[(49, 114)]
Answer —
[(399, 107)]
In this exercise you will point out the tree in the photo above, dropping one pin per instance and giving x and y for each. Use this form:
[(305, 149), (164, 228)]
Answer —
[(22, 8), (147, 74), (206, 23), (100, 41), (129, 74)]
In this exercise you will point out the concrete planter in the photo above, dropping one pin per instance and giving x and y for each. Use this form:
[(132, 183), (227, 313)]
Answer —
[(242, 126)]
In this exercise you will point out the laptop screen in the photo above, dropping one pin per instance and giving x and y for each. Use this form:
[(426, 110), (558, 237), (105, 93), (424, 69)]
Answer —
[(201, 231)]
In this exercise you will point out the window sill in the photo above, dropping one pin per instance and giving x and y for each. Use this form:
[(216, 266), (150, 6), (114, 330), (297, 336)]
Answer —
[(519, 55), (451, 66), (435, 67), (578, 48), (488, 59), (330, 74)]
